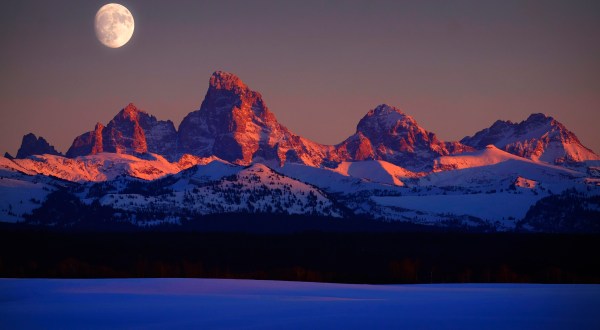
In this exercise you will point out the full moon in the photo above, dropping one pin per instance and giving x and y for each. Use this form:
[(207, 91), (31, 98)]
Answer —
[(114, 25)]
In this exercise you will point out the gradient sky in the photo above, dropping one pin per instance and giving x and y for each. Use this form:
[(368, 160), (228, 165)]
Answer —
[(455, 66)]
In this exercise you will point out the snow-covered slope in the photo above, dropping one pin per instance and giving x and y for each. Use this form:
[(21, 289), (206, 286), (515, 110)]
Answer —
[(375, 171), (191, 303), (20, 197), (501, 174), (504, 207), (339, 181), (491, 185), (21, 190), (105, 166), (492, 168), (201, 173), (489, 156), (488, 184), (10, 166), (255, 189)]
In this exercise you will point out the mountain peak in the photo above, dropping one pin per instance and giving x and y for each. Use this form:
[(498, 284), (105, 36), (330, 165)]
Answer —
[(385, 118), (539, 137), (30, 136), (387, 133), (385, 109), (538, 117), (502, 123), (131, 107), (131, 131), (227, 81), (130, 112), (234, 124), (32, 145)]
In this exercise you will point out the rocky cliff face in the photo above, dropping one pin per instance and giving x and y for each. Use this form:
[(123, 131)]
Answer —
[(386, 133), (539, 137), (32, 145), (124, 133), (131, 131), (89, 143), (234, 124)]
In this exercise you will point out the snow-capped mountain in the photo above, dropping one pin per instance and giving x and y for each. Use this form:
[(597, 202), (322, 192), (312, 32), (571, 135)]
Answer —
[(132, 131), (234, 124), (233, 156), (539, 137), (386, 133), (489, 189)]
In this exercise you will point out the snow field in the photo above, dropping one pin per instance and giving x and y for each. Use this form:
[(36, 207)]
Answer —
[(249, 304)]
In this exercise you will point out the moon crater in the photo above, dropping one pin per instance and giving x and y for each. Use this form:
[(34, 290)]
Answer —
[(114, 25)]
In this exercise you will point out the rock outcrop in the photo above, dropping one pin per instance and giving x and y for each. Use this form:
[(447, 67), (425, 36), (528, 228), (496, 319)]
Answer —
[(32, 145), (539, 137)]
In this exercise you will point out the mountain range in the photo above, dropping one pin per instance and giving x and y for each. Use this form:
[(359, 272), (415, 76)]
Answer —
[(233, 156)]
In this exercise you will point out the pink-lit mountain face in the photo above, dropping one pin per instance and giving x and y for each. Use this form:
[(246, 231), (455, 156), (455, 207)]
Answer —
[(539, 137), (386, 133), (234, 124), (132, 132), (233, 156)]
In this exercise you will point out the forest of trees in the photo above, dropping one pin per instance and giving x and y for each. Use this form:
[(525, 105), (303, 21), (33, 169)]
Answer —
[(569, 212), (352, 257)]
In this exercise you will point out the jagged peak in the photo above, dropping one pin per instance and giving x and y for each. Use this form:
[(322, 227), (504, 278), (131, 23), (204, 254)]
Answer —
[(385, 109), (130, 112), (227, 81), (131, 108), (502, 123), (33, 145), (385, 116), (532, 118), (32, 138), (538, 117)]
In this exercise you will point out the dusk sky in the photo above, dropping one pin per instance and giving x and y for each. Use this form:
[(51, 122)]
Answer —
[(455, 66)]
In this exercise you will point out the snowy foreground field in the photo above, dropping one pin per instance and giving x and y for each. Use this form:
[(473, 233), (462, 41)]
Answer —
[(226, 304)]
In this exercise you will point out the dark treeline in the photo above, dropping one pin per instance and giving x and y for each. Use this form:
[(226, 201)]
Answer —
[(351, 257)]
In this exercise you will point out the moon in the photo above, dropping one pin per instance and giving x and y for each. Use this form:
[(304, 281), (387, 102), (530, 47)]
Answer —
[(114, 25)]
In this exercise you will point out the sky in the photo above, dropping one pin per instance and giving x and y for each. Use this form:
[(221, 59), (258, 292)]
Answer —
[(455, 66)]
